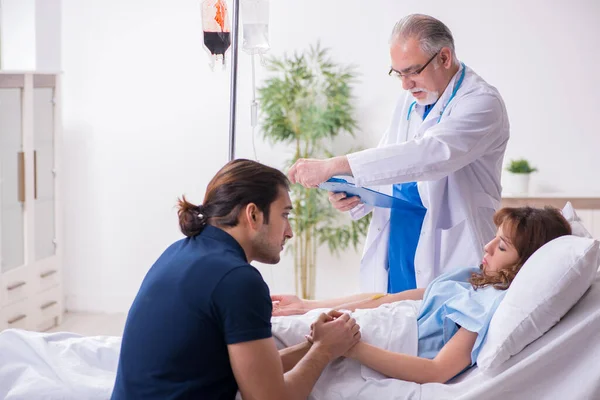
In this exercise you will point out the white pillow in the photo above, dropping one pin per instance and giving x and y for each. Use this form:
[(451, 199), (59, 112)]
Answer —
[(576, 225), (552, 280)]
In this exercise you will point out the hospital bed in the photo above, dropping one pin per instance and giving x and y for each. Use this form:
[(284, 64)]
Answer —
[(562, 364)]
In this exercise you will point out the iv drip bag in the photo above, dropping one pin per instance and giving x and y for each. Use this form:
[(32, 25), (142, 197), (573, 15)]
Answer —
[(255, 19), (216, 29)]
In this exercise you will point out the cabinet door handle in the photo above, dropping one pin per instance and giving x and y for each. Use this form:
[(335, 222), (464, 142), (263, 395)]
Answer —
[(47, 273), (48, 304), (15, 285), (21, 169), (16, 319)]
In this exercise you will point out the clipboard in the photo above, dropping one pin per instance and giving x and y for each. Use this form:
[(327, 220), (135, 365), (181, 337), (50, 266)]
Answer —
[(367, 196)]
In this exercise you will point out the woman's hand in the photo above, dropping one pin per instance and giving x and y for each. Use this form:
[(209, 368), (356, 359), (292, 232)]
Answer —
[(288, 304), (353, 351)]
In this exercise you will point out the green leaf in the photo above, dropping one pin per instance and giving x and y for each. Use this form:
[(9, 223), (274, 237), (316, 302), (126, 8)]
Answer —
[(520, 166)]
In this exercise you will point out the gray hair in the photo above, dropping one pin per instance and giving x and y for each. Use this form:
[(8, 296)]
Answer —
[(431, 33)]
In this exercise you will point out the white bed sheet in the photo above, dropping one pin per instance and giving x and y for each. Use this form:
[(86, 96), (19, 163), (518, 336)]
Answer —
[(563, 364), (53, 366)]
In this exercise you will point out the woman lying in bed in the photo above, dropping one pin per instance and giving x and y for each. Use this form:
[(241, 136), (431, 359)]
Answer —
[(457, 307)]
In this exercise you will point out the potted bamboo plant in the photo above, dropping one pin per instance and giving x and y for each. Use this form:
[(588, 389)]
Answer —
[(305, 103)]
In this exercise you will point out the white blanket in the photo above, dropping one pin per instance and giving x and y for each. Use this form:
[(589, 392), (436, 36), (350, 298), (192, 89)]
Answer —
[(57, 365), (391, 326), (563, 364)]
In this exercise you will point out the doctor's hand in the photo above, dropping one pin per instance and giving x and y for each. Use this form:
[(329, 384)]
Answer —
[(343, 203), (311, 172), (288, 305)]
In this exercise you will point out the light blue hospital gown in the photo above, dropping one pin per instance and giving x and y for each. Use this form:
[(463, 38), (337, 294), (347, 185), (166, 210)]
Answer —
[(450, 301)]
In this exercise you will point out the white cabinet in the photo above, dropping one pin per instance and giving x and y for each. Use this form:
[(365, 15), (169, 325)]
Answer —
[(12, 218), (31, 295)]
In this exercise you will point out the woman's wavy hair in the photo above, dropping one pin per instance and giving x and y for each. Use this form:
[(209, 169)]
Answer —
[(239, 183), (528, 229)]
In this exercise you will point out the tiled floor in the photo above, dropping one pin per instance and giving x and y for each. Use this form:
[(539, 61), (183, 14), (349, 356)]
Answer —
[(92, 324)]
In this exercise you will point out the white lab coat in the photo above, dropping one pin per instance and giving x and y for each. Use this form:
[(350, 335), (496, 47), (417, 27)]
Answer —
[(457, 164)]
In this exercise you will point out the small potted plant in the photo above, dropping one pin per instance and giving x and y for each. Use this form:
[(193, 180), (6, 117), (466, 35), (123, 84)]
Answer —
[(517, 179)]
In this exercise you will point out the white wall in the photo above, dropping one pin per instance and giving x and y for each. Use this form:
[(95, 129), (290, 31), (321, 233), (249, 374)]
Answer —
[(146, 120), (17, 34), (30, 35)]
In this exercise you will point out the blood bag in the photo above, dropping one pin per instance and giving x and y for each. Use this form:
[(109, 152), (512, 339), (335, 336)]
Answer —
[(216, 29), (255, 19)]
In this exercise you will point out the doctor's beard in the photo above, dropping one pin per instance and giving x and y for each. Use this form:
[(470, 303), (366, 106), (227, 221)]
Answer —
[(431, 97)]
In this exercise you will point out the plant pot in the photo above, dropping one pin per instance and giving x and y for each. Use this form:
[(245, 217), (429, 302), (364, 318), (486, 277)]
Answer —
[(516, 183)]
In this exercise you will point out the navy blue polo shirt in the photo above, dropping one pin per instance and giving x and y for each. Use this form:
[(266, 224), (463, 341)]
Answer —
[(199, 296)]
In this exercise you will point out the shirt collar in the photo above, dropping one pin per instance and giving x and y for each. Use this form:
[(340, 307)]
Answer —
[(224, 238)]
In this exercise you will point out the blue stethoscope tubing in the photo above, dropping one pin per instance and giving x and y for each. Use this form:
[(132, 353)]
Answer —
[(460, 81)]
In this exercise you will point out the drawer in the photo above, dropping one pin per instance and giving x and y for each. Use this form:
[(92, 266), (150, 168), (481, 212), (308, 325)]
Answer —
[(48, 277), (47, 273), (17, 316), (17, 285), (48, 308)]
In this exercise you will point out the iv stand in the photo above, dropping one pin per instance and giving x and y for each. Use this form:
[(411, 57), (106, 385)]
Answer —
[(233, 86)]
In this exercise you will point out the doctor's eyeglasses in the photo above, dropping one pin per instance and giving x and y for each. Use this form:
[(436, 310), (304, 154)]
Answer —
[(412, 74)]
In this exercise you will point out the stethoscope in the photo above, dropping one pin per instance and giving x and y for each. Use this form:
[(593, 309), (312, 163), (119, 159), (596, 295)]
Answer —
[(412, 105)]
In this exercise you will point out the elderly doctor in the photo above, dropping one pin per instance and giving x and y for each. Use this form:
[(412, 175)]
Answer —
[(442, 153)]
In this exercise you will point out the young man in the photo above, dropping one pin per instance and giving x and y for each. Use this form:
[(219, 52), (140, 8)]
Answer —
[(200, 324)]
